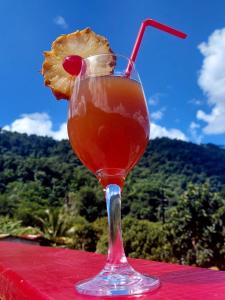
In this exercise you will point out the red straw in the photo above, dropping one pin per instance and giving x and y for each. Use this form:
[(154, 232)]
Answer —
[(144, 24)]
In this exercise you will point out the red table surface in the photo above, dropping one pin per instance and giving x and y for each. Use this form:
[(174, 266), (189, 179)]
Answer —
[(43, 273)]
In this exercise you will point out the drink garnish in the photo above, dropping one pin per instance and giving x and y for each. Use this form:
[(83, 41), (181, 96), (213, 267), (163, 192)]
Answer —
[(72, 64), (63, 62)]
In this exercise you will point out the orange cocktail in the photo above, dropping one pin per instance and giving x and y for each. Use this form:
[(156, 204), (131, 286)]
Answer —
[(108, 125)]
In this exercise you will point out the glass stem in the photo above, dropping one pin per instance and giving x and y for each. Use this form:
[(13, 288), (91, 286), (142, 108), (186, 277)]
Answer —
[(116, 255)]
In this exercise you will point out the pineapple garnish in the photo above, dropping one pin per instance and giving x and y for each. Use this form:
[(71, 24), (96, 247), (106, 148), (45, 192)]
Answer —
[(84, 43)]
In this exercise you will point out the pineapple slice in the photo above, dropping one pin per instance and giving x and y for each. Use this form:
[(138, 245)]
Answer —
[(84, 43)]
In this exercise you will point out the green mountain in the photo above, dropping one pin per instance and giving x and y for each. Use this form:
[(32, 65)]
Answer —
[(173, 202), (182, 162), (167, 162), (44, 172)]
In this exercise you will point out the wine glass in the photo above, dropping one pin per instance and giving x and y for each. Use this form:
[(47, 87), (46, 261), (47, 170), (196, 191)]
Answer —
[(108, 128)]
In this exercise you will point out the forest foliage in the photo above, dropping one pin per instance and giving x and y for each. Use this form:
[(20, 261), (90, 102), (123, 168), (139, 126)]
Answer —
[(173, 202)]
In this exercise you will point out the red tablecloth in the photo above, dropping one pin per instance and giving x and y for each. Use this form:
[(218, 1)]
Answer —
[(42, 273)]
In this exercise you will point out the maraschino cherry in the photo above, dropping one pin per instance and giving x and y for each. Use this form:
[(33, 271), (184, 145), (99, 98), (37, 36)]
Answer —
[(72, 64)]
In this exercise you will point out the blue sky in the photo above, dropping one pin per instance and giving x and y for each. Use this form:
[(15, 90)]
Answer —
[(184, 80)]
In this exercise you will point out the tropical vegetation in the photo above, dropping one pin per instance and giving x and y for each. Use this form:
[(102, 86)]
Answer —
[(173, 202)]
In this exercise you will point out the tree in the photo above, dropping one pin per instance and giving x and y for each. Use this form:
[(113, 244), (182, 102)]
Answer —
[(56, 223), (84, 236), (14, 227), (218, 236), (63, 228), (87, 203), (145, 200), (144, 239), (100, 226), (191, 227)]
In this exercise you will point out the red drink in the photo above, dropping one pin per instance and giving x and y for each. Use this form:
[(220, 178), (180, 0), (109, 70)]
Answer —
[(108, 126)]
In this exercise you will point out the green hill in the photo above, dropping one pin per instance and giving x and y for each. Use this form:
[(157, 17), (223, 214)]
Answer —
[(167, 162), (42, 171), (181, 162), (173, 201)]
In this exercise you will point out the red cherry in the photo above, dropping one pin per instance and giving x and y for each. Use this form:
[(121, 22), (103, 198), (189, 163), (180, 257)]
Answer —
[(72, 64)]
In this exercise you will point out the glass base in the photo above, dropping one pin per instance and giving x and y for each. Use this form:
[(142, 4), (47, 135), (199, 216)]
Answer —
[(118, 280)]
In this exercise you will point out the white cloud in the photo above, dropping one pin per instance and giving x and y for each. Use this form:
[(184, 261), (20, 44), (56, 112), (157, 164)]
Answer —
[(39, 124), (193, 128), (157, 115), (59, 20), (172, 133), (196, 102), (154, 99), (194, 125), (212, 82)]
